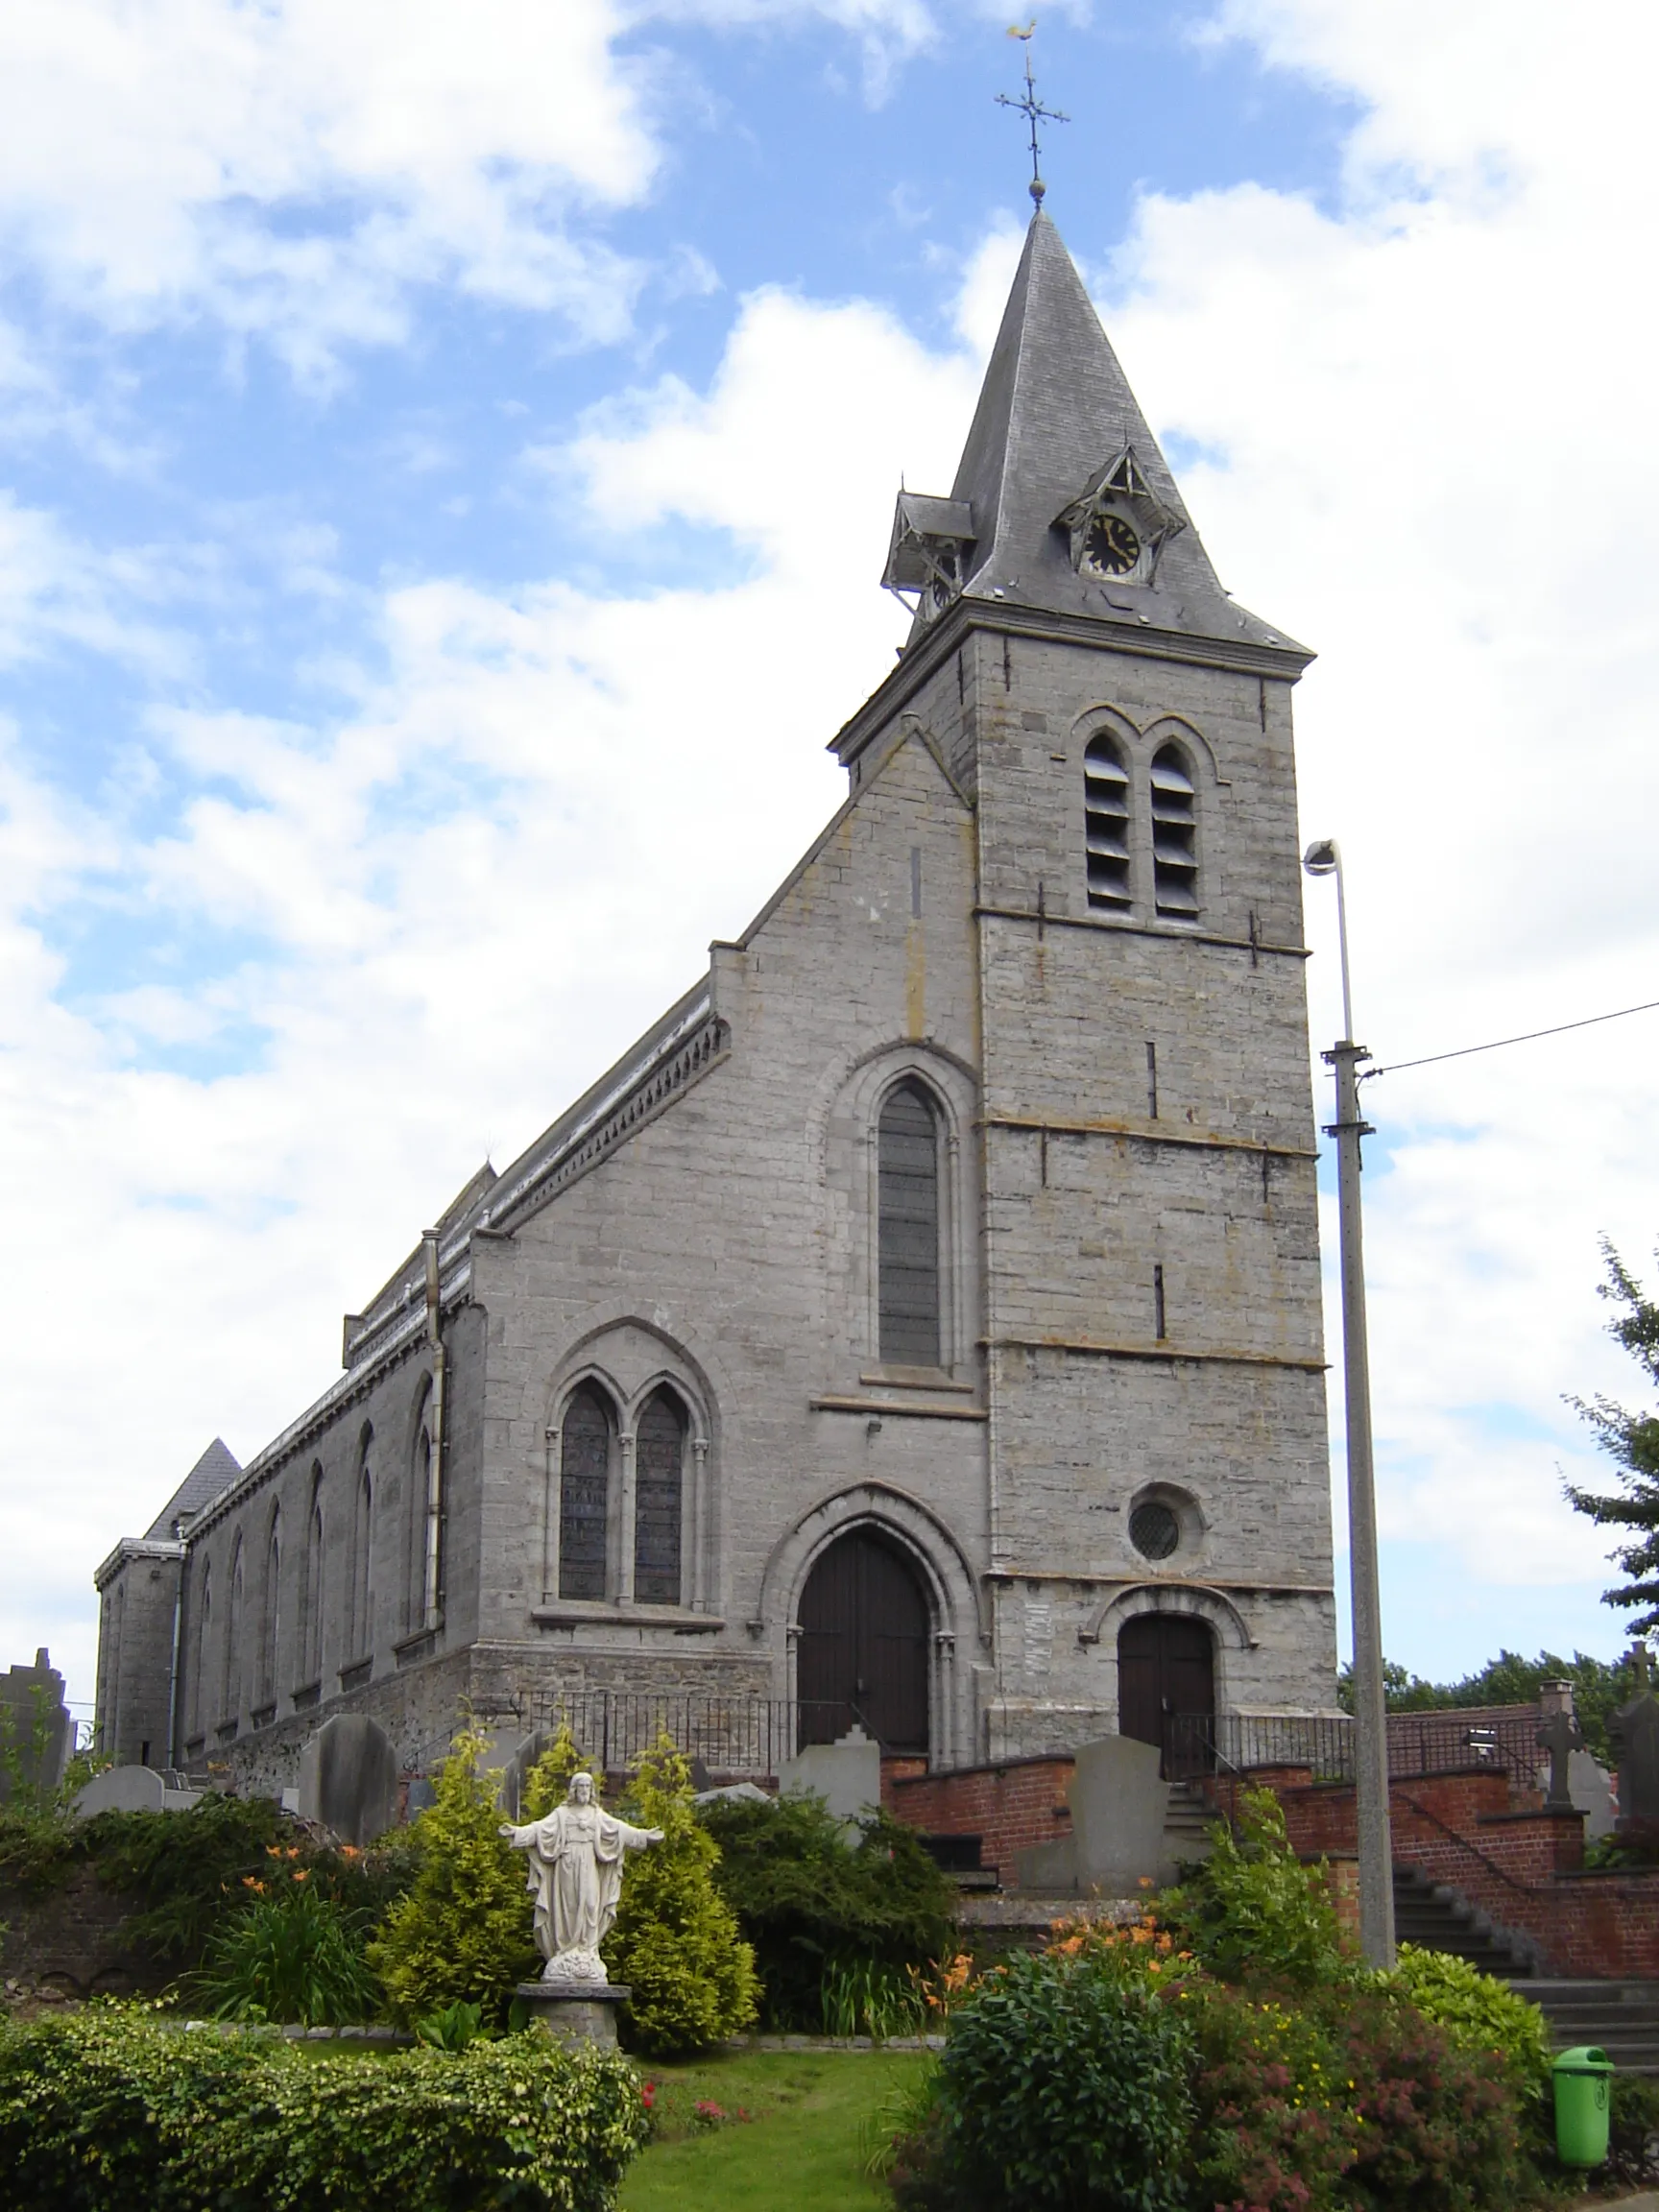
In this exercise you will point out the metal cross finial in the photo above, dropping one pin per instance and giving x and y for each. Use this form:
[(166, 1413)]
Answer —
[(1032, 109)]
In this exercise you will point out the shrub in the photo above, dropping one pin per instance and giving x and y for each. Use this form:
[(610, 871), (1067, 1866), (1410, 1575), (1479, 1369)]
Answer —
[(859, 1997), (453, 2029), (1478, 2013), (461, 1931), (804, 1901), (1633, 2133), (676, 1942), (292, 1954), (184, 1870), (1439, 2124), (1252, 1911), (108, 2109), (1065, 2085), (1275, 2129)]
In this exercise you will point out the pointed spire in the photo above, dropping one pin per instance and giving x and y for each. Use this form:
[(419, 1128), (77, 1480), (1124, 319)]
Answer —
[(1064, 499)]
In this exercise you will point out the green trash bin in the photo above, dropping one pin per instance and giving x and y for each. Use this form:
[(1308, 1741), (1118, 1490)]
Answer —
[(1583, 2094)]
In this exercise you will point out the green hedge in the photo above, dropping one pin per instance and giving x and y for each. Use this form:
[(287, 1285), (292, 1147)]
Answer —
[(109, 2109)]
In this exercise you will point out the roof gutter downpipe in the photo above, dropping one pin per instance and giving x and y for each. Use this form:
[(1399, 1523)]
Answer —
[(432, 1597), (173, 1665)]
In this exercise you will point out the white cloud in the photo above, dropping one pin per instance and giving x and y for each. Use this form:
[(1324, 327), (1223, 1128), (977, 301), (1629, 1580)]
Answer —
[(1440, 466)]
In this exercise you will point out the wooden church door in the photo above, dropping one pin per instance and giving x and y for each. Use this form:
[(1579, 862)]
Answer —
[(1166, 1689), (863, 1650)]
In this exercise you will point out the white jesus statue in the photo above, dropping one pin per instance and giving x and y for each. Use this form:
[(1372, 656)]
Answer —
[(575, 1876)]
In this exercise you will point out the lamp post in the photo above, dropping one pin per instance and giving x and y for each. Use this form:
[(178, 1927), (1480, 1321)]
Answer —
[(1324, 858)]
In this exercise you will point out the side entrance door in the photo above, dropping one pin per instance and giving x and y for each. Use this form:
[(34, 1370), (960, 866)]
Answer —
[(863, 1650), (1166, 1689)]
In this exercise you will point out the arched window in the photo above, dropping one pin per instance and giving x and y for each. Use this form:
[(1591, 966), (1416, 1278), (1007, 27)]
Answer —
[(271, 1642), (204, 1638), (420, 1532), (1174, 835), (1106, 824), (235, 1623), (363, 1560), (584, 1494), (907, 1179), (658, 1464), (311, 1627)]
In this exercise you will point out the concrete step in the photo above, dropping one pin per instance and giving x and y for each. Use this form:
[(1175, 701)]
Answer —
[(1618, 2017)]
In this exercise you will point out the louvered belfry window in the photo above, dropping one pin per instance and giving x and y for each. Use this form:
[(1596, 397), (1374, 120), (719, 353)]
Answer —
[(908, 1180), (659, 1459), (1174, 835), (1106, 824), (584, 1494)]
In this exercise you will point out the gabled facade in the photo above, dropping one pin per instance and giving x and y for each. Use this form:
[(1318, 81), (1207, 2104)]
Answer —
[(921, 1324)]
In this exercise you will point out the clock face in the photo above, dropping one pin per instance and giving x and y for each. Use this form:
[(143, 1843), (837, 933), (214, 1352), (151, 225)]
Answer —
[(1113, 547)]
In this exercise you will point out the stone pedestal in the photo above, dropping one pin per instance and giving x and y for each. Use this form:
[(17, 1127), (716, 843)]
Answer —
[(575, 2011)]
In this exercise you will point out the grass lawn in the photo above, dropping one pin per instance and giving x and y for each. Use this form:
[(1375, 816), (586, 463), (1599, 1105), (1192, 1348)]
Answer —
[(812, 2119)]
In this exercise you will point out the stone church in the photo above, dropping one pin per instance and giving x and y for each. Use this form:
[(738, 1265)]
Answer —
[(921, 1325)]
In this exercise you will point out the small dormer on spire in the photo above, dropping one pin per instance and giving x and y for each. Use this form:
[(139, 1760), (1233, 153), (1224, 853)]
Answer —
[(1062, 502)]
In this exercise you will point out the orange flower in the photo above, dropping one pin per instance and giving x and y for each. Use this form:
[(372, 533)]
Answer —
[(301, 1873)]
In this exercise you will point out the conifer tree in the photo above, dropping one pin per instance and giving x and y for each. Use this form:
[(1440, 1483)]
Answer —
[(462, 1933), (676, 1942), (1632, 1441)]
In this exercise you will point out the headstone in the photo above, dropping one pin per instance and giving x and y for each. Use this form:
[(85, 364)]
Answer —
[(512, 1757), (847, 1774), (1635, 1732), (1592, 1787), (37, 1728), (1119, 1804), (1560, 1735), (741, 1793), (348, 1778), (122, 1789), (422, 1795)]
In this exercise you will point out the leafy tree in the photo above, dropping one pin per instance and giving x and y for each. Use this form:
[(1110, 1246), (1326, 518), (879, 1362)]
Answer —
[(676, 1942), (462, 1931), (1631, 1440), (1252, 1912)]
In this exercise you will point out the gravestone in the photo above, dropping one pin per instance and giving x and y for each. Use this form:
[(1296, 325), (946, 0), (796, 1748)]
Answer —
[(35, 1722), (847, 1774), (348, 1778), (1635, 1732), (422, 1796), (132, 1789), (1560, 1735), (1118, 1802), (1592, 1787)]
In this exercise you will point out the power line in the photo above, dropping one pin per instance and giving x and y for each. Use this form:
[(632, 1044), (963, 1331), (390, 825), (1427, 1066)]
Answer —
[(1498, 1043)]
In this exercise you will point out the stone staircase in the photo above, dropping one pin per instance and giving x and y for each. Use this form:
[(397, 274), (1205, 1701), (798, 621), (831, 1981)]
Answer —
[(1437, 1919), (1618, 2017), (1185, 1821)]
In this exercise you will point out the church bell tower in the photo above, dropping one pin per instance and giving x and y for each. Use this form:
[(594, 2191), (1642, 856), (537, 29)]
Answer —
[(1157, 1518)]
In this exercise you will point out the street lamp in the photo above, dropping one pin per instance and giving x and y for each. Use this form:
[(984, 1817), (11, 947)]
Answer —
[(1324, 858)]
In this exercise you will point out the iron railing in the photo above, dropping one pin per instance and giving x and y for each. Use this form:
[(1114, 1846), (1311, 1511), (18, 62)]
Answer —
[(1419, 1743), (731, 1737)]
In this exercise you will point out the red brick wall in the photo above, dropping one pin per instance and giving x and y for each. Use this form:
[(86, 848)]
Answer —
[(1010, 1807), (1521, 1865)]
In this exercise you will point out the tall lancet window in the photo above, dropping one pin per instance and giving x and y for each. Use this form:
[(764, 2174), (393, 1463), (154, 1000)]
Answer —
[(363, 1563), (907, 1178), (311, 1629), (1106, 824), (1174, 835), (204, 1637), (269, 1642), (584, 1494), (658, 1464), (235, 1623)]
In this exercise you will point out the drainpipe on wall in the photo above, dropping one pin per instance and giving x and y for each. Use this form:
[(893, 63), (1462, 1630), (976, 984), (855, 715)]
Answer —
[(432, 1617)]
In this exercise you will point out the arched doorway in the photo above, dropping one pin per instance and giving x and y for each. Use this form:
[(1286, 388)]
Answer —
[(1166, 1689), (863, 1650)]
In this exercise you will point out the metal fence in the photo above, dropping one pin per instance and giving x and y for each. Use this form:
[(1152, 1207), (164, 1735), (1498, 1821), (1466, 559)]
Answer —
[(740, 1737), (1418, 1743)]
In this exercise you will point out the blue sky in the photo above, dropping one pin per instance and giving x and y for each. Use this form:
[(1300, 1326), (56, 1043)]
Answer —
[(445, 462)]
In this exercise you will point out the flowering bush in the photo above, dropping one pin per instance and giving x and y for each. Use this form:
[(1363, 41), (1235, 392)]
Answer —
[(109, 2109), (291, 1953), (1275, 2129)]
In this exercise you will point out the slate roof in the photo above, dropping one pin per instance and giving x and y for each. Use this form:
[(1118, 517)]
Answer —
[(215, 1471), (1054, 409)]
